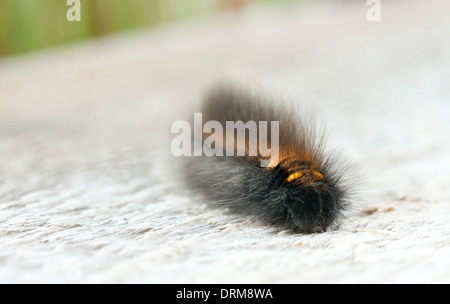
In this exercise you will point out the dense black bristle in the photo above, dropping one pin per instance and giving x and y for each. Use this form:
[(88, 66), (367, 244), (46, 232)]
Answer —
[(302, 192)]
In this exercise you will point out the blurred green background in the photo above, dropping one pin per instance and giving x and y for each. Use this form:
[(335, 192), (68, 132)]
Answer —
[(28, 25)]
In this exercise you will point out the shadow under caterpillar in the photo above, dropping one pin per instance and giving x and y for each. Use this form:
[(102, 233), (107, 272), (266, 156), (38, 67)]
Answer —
[(303, 191)]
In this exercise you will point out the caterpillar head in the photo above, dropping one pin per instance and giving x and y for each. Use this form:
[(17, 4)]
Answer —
[(310, 201)]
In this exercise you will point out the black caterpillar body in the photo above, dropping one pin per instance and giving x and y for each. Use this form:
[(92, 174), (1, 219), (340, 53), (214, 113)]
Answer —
[(303, 192)]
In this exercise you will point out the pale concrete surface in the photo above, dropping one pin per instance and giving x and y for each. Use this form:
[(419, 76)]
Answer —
[(88, 189)]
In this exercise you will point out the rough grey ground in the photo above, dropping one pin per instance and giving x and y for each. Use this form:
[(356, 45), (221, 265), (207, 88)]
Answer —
[(89, 190)]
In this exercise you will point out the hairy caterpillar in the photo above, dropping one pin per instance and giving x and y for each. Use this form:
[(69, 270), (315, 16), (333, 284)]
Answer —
[(302, 191)]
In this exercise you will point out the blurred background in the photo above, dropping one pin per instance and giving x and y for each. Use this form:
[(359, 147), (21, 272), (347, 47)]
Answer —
[(31, 25), (88, 185)]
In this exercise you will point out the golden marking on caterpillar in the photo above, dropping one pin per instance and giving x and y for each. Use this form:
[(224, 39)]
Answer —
[(295, 175), (318, 174), (302, 190)]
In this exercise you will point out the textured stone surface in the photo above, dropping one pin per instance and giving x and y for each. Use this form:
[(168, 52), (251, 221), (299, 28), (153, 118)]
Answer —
[(88, 187)]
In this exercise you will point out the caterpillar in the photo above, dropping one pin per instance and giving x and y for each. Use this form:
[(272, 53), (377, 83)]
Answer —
[(303, 191)]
